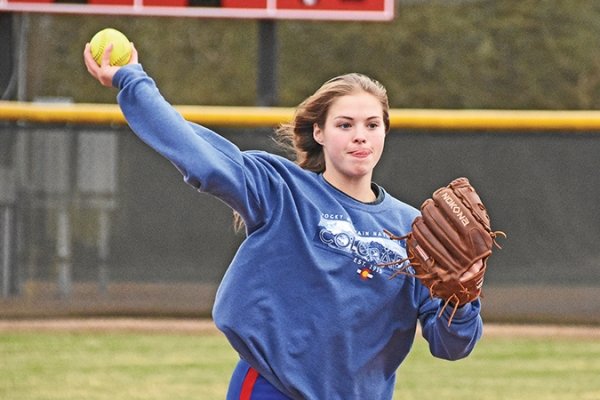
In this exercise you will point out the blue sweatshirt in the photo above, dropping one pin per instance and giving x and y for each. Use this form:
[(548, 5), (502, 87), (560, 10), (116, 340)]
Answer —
[(306, 300)]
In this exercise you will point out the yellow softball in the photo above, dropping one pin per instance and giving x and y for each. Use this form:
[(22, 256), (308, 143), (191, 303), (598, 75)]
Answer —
[(121, 52)]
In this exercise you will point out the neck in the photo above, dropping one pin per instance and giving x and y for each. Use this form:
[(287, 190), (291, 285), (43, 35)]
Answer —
[(359, 189)]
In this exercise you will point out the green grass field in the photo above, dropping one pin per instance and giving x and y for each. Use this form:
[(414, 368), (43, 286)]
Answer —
[(133, 365)]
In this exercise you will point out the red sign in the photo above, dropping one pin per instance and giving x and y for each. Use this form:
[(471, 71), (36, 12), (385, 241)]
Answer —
[(349, 10)]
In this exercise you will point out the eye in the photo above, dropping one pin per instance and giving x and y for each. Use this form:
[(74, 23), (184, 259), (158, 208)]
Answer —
[(373, 125), (344, 125)]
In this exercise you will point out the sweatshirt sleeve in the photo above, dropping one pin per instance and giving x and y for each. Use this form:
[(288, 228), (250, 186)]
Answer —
[(207, 161), (457, 340)]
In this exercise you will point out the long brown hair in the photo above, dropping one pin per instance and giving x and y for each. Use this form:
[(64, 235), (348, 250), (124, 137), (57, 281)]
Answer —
[(296, 137)]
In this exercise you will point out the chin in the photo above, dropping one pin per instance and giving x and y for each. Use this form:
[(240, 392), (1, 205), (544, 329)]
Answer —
[(359, 174)]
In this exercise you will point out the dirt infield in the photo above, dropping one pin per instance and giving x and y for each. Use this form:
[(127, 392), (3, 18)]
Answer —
[(191, 326), (206, 326)]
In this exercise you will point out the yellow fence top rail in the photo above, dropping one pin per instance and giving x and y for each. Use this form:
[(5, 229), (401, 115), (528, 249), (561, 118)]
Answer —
[(39, 112)]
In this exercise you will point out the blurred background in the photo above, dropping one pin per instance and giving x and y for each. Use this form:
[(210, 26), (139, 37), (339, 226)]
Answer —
[(92, 222)]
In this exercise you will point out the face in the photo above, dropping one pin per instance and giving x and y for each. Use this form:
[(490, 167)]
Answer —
[(352, 138)]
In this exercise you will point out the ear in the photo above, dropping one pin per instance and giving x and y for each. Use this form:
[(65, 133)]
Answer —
[(317, 134)]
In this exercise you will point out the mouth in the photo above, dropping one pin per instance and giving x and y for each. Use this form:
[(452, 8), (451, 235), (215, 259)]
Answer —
[(362, 153)]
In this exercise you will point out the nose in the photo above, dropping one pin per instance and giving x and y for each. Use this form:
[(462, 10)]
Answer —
[(359, 136)]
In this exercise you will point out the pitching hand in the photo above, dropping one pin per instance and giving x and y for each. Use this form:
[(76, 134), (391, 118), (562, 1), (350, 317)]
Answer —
[(104, 72)]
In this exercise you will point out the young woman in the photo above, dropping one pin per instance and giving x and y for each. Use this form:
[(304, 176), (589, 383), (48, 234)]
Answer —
[(307, 301)]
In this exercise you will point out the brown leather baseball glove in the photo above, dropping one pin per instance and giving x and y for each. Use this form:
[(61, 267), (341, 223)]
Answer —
[(449, 245)]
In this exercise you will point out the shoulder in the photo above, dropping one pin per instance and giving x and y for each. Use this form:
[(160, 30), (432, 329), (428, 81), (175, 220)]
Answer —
[(277, 171), (399, 204), (274, 162), (270, 158), (403, 213)]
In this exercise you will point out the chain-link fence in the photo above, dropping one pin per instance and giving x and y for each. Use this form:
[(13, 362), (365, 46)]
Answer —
[(92, 221)]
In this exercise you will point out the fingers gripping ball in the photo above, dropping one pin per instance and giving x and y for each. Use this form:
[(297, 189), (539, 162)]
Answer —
[(121, 52), (450, 236)]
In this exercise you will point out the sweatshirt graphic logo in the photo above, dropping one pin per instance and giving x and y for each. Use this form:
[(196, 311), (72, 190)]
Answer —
[(368, 249)]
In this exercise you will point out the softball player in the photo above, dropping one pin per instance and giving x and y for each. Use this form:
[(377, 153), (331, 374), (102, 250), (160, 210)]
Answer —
[(306, 302)]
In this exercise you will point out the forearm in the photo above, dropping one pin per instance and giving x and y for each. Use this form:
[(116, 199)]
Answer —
[(454, 341)]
